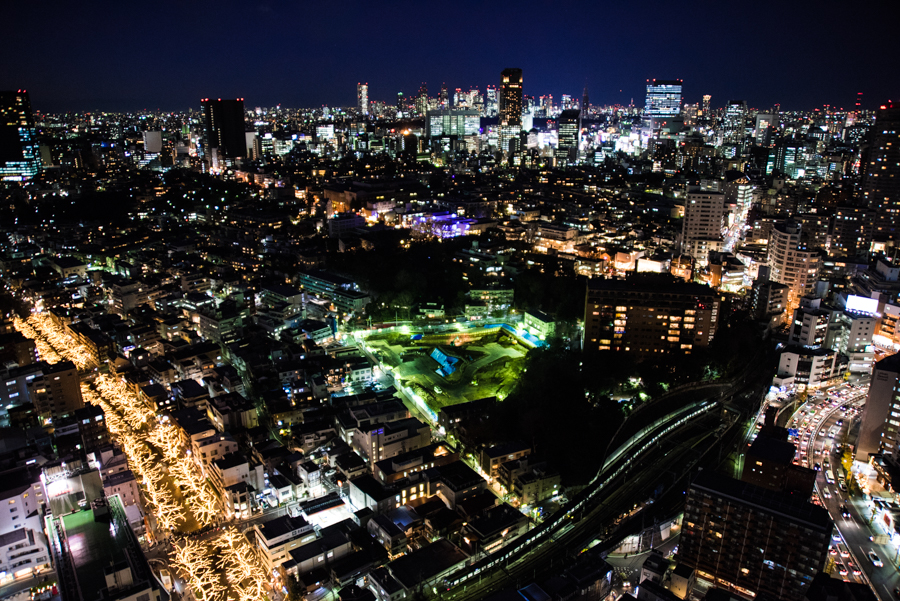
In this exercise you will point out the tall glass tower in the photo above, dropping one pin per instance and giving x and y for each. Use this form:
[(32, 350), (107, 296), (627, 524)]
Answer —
[(362, 98), (510, 106), (19, 157), (663, 99)]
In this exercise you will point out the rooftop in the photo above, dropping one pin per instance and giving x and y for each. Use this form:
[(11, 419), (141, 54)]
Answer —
[(425, 563), (767, 501)]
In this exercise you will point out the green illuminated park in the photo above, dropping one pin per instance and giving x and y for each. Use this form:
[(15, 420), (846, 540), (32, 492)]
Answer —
[(485, 362)]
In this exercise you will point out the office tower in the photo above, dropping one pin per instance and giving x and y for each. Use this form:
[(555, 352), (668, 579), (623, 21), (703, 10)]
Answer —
[(786, 158), (224, 128), (422, 100), (791, 263), (153, 141), (585, 101), (401, 103), (362, 98), (454, 122), (765, 122), (880, 425), (851, 231), (19, 156), (510, 107), (490, 106), (649, 315), (569, 136), (663, 99), (444, 96), (735, 121), (881, 179), (758, 542), (701, 228), (707, 99), (690, 113)]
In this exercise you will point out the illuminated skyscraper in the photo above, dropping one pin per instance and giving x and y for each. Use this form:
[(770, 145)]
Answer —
[(362, 98), (881, 180), (707, 100), (510, 106), (735, 121), (585, 101), (19, 160), (569, 136), (224, 128), (422, 100), (444, 97), (663, 99), (490, 107)]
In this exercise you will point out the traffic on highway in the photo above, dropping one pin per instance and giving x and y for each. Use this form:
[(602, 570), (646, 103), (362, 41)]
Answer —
[(822, 429)]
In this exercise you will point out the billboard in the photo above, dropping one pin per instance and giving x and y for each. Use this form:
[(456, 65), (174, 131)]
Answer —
[(862, 304)]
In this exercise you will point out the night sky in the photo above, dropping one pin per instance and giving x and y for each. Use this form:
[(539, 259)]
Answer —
[(127, 55)]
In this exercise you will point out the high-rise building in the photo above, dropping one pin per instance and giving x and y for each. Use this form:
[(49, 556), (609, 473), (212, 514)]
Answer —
[(881, 179), (791, 263), (490, 106), (765, 123), (445, 97), (362, 98), (851, 231), (19, 156), (510, 106), (734, 124), (701, 228), (585, 101), (880, 427), (663, 99), (646, 315), (153, 141), (569, 136), (786, 158), (224, 128), (707, 100), (422, 100), (758, 542)]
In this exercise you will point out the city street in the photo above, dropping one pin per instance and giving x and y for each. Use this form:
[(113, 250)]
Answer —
[(822, 425)]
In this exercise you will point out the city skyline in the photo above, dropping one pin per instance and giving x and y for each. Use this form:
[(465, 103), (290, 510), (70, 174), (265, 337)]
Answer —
[(180, 60)]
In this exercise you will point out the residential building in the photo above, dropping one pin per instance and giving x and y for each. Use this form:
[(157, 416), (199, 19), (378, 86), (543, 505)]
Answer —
[(645, 315), (790, 262), (703, 223), (383, 441), (755, 541), (851, 231), (881, 177)]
